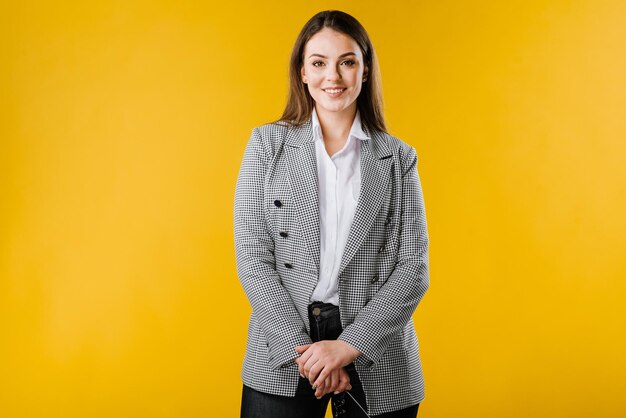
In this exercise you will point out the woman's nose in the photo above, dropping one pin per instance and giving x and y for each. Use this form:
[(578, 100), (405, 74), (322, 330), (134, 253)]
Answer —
[(333, 73)]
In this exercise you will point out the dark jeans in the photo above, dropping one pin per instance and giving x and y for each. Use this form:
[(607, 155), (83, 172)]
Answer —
[(325, 325)]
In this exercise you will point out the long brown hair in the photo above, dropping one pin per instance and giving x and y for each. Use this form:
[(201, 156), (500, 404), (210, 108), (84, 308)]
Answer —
[(300, 104)]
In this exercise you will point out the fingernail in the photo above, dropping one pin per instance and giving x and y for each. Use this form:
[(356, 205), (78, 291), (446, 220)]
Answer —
[(336, 392), (301, 375), (313, 386)]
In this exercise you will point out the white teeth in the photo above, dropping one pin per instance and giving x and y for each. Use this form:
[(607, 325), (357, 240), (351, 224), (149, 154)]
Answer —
[(332, 91)]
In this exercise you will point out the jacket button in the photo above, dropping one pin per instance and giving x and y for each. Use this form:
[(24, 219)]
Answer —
[(388, 221), (374, 279), (289, 266), (278, 203), (283, 234), (380, 250)]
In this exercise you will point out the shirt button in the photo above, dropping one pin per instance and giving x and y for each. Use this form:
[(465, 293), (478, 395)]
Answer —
[(283, 234), (374, 279), (278, 203), (289, 266)]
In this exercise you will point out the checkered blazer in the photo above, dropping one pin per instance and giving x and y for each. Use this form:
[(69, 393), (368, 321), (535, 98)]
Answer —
[(383, 273)]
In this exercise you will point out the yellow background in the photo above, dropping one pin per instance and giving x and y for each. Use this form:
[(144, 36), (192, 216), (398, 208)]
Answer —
[(122, 127)]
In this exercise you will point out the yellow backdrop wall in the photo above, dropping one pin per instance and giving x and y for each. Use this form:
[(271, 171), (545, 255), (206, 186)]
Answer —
[(122, 127)]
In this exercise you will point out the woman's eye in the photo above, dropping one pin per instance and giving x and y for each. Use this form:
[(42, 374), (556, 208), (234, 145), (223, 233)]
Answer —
[(318, 63), (350, 63)]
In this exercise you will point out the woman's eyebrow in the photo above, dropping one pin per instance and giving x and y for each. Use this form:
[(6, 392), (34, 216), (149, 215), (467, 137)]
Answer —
[(345, 54)]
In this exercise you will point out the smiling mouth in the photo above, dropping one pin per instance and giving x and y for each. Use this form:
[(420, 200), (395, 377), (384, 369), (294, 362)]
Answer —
[(334, 93), (334, 90)]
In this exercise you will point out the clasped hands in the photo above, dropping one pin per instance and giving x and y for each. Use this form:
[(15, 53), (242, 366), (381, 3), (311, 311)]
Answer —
[(323, 364)]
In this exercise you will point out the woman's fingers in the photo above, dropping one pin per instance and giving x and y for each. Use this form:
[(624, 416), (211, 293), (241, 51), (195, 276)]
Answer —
[(302, 348), (312, 370), (325, 369), (318, 364), (320, 390), (300, 367), (320, 359), (303, 359), (329, 385), (344, 381), (334, 381), (324, 374)]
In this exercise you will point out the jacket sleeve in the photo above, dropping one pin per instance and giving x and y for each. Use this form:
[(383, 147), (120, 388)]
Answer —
[(388, 312), (256, 266)]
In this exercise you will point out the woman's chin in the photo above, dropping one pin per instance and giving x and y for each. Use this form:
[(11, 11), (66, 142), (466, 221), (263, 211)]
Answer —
[(332, 107)]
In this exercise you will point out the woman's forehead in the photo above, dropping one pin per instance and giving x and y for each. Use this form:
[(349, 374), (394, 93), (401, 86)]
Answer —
[(330, 43)]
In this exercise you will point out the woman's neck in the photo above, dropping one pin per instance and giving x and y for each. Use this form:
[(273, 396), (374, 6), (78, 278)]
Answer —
[(336, 125)]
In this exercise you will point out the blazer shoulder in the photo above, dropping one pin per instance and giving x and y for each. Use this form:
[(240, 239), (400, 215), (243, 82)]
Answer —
[(273, 130), (405, 153), (270, 136)]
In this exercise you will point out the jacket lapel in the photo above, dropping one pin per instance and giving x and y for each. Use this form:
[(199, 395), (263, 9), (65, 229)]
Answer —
[(300, 153), (375, 175)]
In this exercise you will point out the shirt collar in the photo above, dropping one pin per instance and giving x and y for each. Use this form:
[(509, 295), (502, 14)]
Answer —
[(356, 130)]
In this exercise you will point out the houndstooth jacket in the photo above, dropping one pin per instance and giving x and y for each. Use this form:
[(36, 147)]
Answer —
[(384, 268)]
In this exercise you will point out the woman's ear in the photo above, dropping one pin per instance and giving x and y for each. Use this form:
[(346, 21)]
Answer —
[(365, 73), (304, 80)]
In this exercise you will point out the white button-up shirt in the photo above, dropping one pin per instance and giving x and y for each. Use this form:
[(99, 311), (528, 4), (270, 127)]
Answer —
[(339, 179)]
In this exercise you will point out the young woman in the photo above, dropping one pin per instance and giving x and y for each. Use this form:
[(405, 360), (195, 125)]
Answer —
[(331, 241)]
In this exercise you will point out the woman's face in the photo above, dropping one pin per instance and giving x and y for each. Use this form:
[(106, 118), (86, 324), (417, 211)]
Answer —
[(333, 70)]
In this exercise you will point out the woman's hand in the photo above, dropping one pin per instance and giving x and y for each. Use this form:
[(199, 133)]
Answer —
[(317, 361), (338, 381)]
